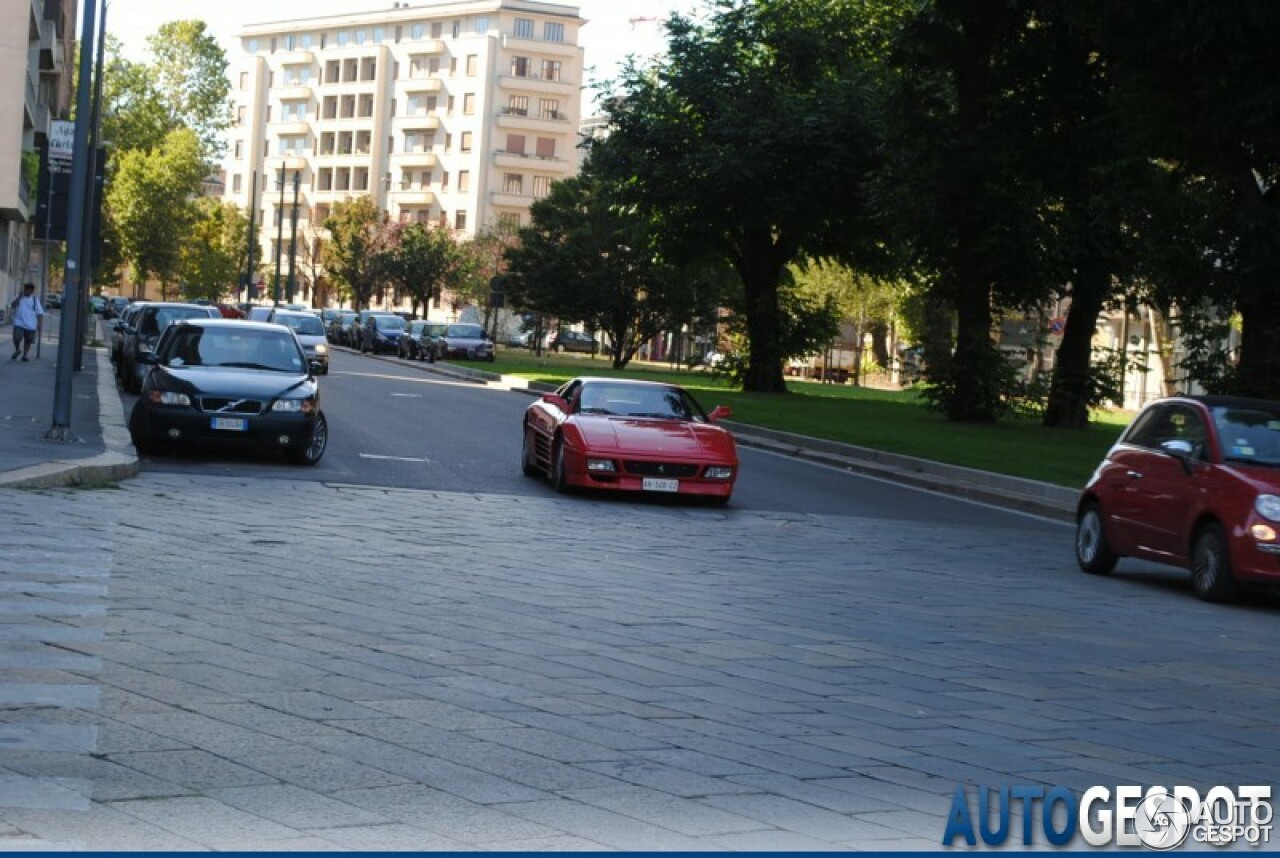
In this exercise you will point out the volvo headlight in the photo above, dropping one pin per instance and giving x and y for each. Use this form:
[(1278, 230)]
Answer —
[(168, 397), (1268, 506), (294, 406)]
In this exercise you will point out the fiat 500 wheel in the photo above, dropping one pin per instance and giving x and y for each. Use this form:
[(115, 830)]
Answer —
[(1211, 576), (1092, 552)]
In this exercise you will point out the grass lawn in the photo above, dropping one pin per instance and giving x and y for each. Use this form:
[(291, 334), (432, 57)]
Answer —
[(891, 420)]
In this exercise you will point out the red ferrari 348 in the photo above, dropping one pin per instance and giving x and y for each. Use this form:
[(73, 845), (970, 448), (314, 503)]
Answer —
[(623, 435)]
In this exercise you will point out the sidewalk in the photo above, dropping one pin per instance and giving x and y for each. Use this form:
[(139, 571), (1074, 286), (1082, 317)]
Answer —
[(1031, 496), (27, 460)]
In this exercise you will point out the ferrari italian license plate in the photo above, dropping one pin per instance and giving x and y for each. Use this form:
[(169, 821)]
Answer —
[(652, 484), (233, 424)]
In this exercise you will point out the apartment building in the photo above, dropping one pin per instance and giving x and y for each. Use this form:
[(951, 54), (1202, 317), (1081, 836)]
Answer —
[(456, 114), (36, 50)]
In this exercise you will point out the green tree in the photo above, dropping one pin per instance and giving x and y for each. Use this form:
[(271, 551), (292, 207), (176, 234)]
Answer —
[(751, 142), (134, 115), (868, 304), (418, 259), (1200, 86), (213, 254), (190, 74), (150, 201), (961, 184), (356, 254), (585, 258)]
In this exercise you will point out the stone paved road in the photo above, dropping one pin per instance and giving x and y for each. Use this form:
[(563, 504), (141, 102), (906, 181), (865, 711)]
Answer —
[(196, 662)]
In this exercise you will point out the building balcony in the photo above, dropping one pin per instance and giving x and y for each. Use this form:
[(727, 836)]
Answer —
[(289, 127), (530, 162), (501, 198), (412, 196), (297, 57), (416, 122), (520, 122), (50, 50), (539, 47), (421, 84), (294, 91), (413, 159), (534, 83)]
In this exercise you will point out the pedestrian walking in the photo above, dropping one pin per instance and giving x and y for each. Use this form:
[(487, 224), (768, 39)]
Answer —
[(28, 316)]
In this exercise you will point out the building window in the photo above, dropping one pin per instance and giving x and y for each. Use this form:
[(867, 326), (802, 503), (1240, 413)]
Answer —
[(379, 34), (417, 31), (457, 29), (241, 113), (289, 42), (464, 181), (251, 45), (320, 214), (293, 110), (295, 144), (437, 29), (518, 105), (307, 41), (244, 80), (418, 65), (523, 28), (444, 180), (453, 66), (361, 35), (469, 104), (235, 184), (508, 222), (520, 66), (541, 186), (460, 220), (549, 108), (239, 149), (465, 144), (515, 144), (482, 26), (473, 62), (433, 65), (546, 147), (344, 38), (551, 70), (513, 183), (552, 32)]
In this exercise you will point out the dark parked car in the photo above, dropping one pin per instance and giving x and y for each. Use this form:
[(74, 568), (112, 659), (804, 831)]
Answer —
[(574, 341), (423, 341), (118, 329), (97, 304), (310, 332), (116, 305), (1193, 482), (53, 301), (380, 332), (468, 341), (339, 328), (234, 383), (144, 332)]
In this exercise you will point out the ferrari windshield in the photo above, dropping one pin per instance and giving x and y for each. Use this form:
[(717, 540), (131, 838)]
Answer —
[(1249, 435), (276, 351), (635, 400)]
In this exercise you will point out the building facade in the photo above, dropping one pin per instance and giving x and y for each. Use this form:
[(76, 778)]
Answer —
[(456, 114), (35, 87)]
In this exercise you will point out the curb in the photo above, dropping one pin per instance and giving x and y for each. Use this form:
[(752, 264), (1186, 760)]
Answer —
[(118, 462), (1030, 496)]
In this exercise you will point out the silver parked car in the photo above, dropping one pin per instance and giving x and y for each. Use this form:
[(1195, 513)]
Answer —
[(469, 341), (310, 332)]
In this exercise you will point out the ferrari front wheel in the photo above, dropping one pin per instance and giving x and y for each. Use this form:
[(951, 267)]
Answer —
[(558, 479), (527, 463)]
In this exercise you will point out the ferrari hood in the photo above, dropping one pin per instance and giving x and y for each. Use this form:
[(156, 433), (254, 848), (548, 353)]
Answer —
[(675, 438)]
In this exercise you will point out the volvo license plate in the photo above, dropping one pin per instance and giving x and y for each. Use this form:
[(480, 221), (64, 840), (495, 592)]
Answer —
[(652, 484), (232, 424)]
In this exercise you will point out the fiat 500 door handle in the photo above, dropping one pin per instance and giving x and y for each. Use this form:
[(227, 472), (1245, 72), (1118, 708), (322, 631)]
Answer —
[(1133, 475)]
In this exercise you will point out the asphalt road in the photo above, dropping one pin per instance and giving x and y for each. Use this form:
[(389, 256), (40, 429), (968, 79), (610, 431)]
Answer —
[(395, 426)]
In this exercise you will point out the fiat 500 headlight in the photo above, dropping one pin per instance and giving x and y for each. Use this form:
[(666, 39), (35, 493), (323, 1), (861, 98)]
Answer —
[(1268, 506)]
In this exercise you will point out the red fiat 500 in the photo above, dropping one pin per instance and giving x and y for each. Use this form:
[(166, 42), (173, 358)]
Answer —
[(1193, 482)]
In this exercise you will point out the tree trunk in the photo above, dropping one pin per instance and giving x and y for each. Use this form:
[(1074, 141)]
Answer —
[(880, 344), (1069, 394), (760, 265), (975, 370)]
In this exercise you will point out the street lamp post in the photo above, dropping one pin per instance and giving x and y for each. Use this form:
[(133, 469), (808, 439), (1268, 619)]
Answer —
[(275, 293), (253, 214), (293, 231)]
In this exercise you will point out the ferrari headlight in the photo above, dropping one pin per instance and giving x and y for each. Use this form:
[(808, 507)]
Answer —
[(294, 406), (168, 397), (1268, 506), (718, 472), (601, 466)]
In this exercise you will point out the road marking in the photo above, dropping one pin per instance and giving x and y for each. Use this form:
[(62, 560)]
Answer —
[(409, 395), (888, 482), (392, 458)]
